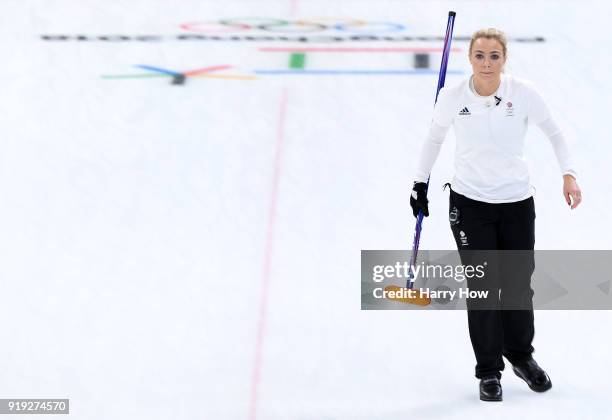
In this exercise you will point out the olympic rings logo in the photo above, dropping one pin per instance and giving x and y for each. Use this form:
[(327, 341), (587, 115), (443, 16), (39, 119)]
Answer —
[(301, 26)]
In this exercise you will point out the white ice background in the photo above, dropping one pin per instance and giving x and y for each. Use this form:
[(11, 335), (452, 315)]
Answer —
[(135, 232)]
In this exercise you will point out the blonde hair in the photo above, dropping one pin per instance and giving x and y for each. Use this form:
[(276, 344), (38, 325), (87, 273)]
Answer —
[(490, 33)]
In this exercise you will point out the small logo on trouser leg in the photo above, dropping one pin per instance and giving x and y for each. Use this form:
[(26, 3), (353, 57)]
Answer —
[(453, 216), (463, 238)]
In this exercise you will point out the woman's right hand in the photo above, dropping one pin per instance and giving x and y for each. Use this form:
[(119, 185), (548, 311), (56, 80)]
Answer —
[(418, 199)]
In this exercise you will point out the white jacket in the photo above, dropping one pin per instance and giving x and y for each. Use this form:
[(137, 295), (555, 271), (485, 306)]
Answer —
[(489, 162)]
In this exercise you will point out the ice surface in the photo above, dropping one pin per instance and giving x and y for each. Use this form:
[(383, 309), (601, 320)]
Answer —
[(154, 236)]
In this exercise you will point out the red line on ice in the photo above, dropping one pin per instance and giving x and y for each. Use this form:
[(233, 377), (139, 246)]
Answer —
[(356, 49), (265, 279), (207, 69)]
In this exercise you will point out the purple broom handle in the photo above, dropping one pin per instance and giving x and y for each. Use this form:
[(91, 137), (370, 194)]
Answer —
[(441, 78)]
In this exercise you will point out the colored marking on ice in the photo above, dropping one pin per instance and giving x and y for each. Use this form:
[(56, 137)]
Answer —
[(296, 60), (179, 77), (157, 69), (266, 277), (356, 49), (354, 72), (133, 76), (227, 76), (207, 70)]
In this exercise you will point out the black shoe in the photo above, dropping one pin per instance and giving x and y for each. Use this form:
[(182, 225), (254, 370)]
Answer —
[(534, 375), (490, 389)]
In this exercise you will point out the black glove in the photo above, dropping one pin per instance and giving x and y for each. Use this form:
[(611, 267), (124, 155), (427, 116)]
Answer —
[(418, 199)]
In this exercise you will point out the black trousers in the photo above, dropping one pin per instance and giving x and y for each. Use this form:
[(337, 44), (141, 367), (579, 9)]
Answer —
[(495, 332)]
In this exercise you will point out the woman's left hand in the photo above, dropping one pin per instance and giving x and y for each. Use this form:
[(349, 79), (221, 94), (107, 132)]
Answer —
[(571, 191)]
